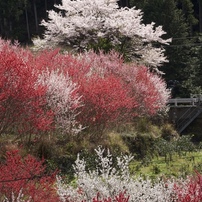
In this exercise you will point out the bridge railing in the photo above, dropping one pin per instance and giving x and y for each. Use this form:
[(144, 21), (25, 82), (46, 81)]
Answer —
[(183, 101)]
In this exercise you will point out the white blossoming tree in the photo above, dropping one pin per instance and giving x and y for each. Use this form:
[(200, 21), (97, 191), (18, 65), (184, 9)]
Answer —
[(63, 100), (101, 24)]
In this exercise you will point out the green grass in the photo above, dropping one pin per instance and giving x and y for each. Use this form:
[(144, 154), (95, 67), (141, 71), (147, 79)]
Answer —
[(179, 166)]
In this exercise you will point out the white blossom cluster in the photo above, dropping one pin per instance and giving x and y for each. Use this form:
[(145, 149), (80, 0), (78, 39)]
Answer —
[(109, 181), (112, 177), (83, 22), (163, 92), (63, 100)]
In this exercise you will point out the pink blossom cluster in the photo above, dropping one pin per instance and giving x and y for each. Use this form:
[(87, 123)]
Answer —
[(51, 91)]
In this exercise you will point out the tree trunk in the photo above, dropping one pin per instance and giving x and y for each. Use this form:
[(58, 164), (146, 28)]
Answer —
[(200, 16), (10, 27), (36, 17), (27, 24), (6, 29), (1, 27)]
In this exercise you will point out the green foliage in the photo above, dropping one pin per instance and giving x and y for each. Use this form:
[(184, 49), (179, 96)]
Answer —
[(10, 13), (176, 156), (193, 82), (180, 166), (168, 132), (184, 144), (116, 143), (168, 148), (11, 9), (102, 44)]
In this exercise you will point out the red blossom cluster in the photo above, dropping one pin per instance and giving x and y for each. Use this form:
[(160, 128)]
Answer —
[(191, 190), (48, 90), (22, 102), (108, 91), (27, 175)]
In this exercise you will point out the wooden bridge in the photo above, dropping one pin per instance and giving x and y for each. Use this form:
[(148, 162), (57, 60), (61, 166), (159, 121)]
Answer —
[(183, 111)]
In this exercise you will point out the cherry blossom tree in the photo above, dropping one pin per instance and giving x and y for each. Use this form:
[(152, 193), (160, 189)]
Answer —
[(101, 24)]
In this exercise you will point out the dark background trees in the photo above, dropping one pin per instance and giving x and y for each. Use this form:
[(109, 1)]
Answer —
[(17, 16), (20, 19), (181, 19)]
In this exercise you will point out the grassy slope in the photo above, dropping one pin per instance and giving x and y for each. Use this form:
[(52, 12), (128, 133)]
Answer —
[(178, 166)]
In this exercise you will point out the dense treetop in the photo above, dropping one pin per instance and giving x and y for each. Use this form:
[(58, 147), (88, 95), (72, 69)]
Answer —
[(84, 25)]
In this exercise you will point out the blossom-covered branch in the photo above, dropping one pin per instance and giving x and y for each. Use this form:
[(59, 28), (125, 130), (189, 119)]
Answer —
[(101, 24)]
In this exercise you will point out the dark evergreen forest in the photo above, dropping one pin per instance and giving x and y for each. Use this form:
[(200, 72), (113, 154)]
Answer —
[(20, 19), (181, 19)]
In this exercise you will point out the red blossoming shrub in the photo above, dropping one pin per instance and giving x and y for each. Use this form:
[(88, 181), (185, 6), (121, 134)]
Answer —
[(61, 91), (27, 176), (147, 89), (106, 100), (111, 91), (59, 73), (22, 102)]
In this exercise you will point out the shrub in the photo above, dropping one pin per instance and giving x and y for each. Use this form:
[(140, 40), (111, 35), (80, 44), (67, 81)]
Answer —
[(26, 178), (169, 133), (146, 88), (106, 101), (53, 90), (111, 91), (22, 101)]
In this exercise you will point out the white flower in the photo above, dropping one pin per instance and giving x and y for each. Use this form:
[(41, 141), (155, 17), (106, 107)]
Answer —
[(110, 181), (63, 100), (82, 22)]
